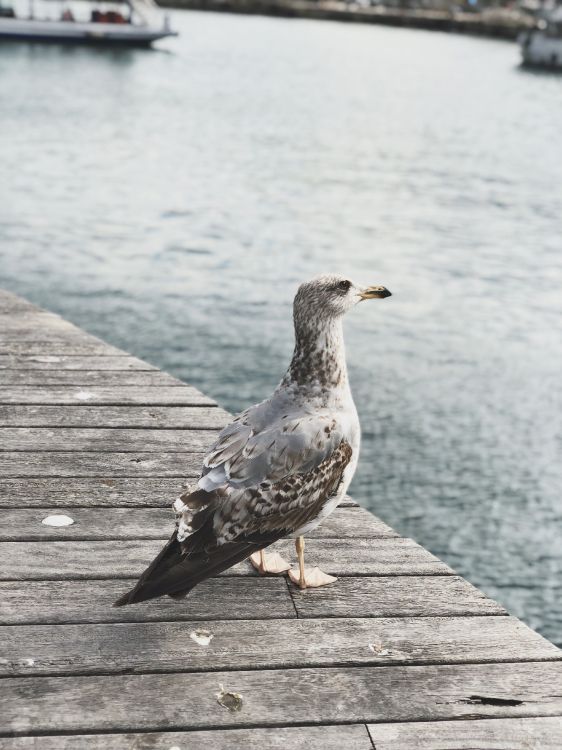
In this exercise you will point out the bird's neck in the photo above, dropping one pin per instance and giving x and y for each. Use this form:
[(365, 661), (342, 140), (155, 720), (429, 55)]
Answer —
[(318, 360)]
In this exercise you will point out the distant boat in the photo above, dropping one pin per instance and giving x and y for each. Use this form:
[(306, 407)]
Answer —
[(542, 46), (118, 23)]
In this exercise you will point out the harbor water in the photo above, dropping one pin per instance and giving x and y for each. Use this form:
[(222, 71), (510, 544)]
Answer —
[(171, 200)]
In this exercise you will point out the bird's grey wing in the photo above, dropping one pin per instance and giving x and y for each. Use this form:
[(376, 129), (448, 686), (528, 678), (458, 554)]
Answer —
[(251, 450), (272, 510)]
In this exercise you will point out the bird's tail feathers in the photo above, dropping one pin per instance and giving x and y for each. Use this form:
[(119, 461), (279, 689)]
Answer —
[(174, 573)]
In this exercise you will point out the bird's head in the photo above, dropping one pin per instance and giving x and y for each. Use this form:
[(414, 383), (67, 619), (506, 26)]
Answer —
[(331, 296)]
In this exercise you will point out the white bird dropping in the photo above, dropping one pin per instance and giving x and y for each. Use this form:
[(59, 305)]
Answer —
[(202, 637), (58, 520)]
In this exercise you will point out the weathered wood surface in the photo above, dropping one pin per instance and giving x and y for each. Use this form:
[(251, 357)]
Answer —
[(399, 642), (251, 644), (108, 440), (57, 348), (124, 417), (112, 396), (125, 464), (239, 597), (395, 596), (222, 598), (41, 320), (338, 737), (323, 695), (47, 363), (83, 378), (91, 524), (490, 734), (98, 491), (12, 304), (127, 559)]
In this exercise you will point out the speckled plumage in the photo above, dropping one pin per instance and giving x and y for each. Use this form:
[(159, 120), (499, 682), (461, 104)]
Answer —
[(281, 466)]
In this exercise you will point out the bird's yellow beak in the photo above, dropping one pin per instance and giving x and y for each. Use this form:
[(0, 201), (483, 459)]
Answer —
[(374, 292)]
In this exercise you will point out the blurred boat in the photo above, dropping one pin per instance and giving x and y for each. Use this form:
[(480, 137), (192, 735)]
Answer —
[(542, 46), (119, 23)]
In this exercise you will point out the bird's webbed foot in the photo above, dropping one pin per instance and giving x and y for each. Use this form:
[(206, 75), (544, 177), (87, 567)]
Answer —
[(310, 578), (269, 563)]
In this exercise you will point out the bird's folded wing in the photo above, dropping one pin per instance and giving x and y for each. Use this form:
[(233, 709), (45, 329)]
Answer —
[(264, 513), (285, 506), (247, 456)]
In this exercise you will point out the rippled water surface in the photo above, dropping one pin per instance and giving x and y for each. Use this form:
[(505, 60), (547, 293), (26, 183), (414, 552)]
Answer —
[(170, 202)]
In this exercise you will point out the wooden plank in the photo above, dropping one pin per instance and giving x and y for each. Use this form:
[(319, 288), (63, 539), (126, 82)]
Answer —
[(113, 439), (68, 362), (37, 323), (268, 697), (170, 417), (65, 492), (41, 326), (43, 348), (254, 644), (13, 304), (113, 396), (127, 559), (82, 378), (339, 737), (68, 464), (61, 334), (25, 524), (234, 598), (13, 319), (544, 733), (395, 596)]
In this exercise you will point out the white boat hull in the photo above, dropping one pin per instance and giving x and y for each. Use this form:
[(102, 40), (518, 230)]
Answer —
[(541, 50), (75, 32)]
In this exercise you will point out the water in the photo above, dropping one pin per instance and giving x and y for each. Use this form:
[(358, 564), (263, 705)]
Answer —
[(171, 201)]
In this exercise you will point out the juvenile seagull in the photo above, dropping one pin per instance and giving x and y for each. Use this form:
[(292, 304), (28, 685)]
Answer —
[(280, 468)]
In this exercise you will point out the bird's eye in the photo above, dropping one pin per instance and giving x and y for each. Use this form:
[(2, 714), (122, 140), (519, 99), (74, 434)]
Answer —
[(343, 286)]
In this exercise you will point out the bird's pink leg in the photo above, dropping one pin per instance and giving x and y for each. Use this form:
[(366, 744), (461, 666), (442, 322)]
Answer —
[(308, 577)]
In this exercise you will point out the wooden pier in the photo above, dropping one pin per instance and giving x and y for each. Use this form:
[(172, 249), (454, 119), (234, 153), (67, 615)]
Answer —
[(399, 654)]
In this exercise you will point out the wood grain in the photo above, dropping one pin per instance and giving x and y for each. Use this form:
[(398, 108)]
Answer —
[(92, 524), (97, 395), (395, 596), (237, 597), (101, 491), (83, 378), (45, 364), (230, 598), (42, 348), (12, 304), (490, 734), (351, 694), (132, 464), (111, 439), (254, 644), (125, 417), (339, 737), (34, 323), (127, 559)]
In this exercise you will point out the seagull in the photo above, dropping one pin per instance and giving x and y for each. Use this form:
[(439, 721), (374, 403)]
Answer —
[(279, 468)]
